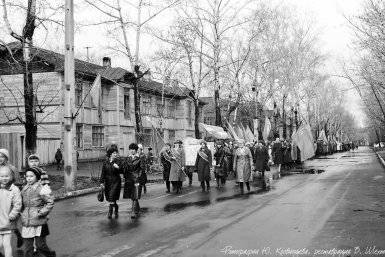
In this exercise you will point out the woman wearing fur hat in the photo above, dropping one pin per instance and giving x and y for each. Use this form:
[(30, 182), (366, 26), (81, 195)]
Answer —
[(134, 167), (37, 204), (177, 174), (111, 181)]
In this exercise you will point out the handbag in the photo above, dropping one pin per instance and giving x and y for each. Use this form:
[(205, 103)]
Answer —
[(100, 195)]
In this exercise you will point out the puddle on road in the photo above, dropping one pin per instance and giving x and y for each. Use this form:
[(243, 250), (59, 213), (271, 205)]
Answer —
[(172, 207)]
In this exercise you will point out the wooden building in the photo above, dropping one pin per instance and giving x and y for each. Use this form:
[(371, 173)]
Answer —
[(98, 122)]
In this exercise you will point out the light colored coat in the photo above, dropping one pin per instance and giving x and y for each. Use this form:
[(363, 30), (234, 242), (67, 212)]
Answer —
[(177, 163), (243, 161), (37, 204), (10, 199)]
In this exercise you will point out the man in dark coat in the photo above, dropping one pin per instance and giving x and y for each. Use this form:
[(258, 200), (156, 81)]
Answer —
[(165, 159), (58, 158), (203, 165), (261, 159)]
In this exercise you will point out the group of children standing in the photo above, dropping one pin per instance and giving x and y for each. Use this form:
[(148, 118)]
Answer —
[(24, 206)]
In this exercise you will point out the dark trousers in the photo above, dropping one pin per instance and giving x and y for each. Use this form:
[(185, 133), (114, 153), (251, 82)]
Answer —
[(207, 185), (190, 177), (142, 186), (221, 180), (168, 185), (177, 185), (247, 186), (41, 247)]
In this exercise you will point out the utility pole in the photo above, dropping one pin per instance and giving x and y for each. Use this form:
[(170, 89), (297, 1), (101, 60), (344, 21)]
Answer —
[(70, 164), (88, 57)]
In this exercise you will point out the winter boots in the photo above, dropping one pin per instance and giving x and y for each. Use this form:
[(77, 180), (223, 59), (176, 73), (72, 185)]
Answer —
[(116, 210), (110, 210)]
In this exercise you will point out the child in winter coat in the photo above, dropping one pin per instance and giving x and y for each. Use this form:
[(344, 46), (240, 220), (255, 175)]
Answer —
[(17, 181), (37, 204), (10, 199)]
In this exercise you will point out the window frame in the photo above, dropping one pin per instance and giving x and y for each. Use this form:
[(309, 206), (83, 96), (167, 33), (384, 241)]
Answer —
[(100, 139), (79, 144)]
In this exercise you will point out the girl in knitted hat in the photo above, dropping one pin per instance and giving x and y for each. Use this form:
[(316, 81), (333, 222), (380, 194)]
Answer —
[(10, 199), (37, 204)]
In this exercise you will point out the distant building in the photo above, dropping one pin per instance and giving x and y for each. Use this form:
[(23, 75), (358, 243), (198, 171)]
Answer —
[(168, 108)]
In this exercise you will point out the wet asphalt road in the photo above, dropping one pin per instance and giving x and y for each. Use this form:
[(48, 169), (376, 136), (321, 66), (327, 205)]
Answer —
[(341, 208)]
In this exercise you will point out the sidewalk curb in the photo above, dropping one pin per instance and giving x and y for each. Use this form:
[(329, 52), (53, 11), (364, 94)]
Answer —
[(91, 190), (380, 159), (76, 193)]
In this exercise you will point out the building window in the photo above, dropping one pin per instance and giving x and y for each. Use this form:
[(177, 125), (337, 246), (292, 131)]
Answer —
[(97, 136), (171, 108), (209, 120), (189, 113), (126, 103), (146, 105), (171, 136), (78, 94), (159, 108), (79, 135)]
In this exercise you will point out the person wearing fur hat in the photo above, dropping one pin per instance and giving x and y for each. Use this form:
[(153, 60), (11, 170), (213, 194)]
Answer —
[(134, 166), (111, 181), (177, 174), (37, 204), (243, 165)]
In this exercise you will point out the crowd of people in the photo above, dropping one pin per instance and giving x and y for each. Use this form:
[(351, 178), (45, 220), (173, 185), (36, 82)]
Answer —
[(26, 202), (241, 160)]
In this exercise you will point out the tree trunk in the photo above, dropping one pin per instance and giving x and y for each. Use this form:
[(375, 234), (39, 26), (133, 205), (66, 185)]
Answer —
[(30, 111), (138, 117), (284, 134), (197, 117), (218, 118)]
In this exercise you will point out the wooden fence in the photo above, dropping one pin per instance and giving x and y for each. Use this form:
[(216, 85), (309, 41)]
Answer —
[(13, 143)]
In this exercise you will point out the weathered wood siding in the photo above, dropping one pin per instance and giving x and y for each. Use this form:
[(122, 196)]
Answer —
[(12, 142)]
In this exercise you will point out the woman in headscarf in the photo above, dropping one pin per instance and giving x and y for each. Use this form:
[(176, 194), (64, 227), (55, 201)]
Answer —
[(166, 159), (111, 181), (203, 166), (177, 174), (243, 164), (134, 167)]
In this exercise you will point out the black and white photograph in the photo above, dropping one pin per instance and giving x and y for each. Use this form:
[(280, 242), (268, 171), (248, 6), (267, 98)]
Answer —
[(197, 128)]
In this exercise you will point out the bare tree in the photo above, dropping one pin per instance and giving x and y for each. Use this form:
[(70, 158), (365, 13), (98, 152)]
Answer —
[(32, 21), (120, 24)]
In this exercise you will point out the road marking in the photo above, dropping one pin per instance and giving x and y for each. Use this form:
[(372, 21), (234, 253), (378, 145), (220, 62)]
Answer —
[(116, 251), (192, 192), (151, 252)]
